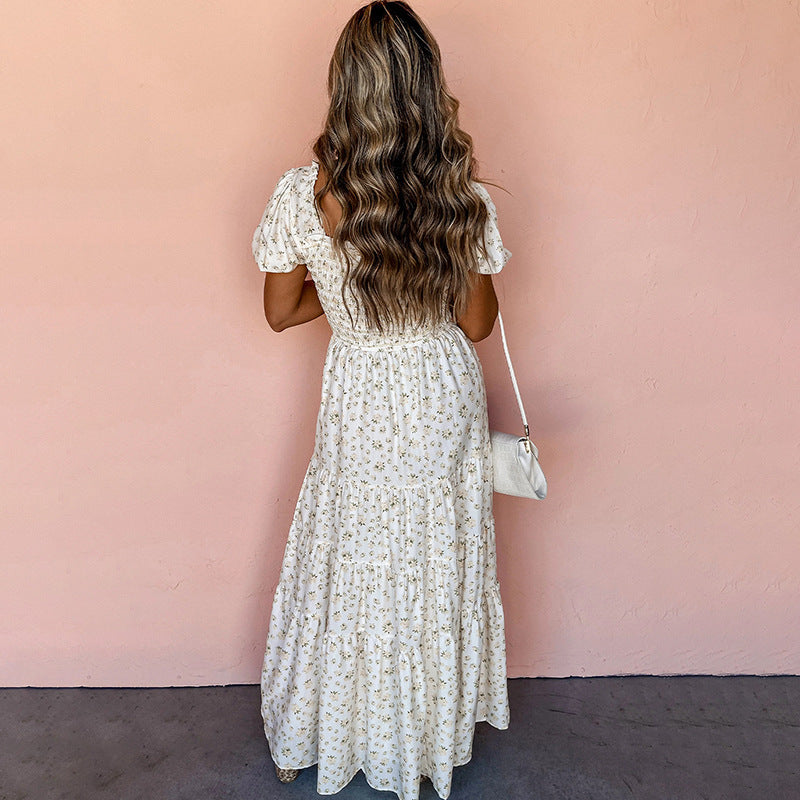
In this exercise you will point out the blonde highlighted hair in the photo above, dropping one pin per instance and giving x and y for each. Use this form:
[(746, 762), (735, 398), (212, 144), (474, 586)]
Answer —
[(401, 168)]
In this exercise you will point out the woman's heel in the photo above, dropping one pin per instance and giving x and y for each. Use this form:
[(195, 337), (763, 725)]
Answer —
[(286, 775)]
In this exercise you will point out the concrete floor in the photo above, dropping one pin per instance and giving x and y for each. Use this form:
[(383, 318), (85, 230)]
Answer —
[(665, 738)]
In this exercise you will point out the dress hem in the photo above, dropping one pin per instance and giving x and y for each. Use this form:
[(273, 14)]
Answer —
[(486, 719)]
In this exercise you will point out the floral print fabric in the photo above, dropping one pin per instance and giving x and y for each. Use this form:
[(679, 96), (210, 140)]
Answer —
[(386, 638)]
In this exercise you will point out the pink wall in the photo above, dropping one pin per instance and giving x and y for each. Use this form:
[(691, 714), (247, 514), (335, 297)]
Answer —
[(155, 430)]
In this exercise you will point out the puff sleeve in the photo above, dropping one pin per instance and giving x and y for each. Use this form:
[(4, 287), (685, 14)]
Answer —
[(497, 253), (276, 245)]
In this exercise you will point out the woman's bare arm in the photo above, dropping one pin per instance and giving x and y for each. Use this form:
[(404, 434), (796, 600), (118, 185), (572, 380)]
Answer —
[(478, 319), (290, 299)]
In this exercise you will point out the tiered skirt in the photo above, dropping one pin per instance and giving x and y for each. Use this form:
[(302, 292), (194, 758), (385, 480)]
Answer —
[(386, 639)]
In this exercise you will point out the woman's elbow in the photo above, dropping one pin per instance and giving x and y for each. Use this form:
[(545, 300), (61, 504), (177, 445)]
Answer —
[(484, 334), (278, 322), (478, 332)]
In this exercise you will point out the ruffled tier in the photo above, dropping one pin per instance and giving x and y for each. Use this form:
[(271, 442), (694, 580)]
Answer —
[(386, 641)]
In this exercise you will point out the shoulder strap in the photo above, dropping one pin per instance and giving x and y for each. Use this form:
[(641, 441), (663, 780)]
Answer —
[(511, 372)]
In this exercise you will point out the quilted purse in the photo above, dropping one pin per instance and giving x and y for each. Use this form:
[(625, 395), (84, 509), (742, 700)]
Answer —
[(515, 459)]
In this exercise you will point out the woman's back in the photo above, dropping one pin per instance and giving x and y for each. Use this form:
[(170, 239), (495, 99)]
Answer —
[(291, 233)]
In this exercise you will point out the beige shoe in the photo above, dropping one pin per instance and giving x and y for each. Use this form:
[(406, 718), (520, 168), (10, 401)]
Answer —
[(286, 775)]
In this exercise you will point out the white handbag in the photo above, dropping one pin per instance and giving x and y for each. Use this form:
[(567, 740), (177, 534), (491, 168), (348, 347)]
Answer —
[(515, 459)]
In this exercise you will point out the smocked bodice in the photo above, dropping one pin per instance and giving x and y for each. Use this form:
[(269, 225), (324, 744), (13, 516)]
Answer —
[(327, 271)]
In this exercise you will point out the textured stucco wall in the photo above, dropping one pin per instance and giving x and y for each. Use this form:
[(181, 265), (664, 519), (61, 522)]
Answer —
[(155, 431)]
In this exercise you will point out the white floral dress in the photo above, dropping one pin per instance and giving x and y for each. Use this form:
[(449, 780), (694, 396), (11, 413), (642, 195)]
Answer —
[(386, 640)]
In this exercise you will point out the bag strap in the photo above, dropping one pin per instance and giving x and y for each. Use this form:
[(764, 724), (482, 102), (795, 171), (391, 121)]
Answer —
[(513, 376)]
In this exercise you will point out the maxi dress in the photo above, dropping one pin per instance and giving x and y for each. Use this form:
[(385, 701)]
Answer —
[(386, 639)]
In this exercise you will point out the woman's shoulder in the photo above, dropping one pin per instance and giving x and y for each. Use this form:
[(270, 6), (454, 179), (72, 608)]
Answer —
[(293, 175), (481, 189), (298, 182)]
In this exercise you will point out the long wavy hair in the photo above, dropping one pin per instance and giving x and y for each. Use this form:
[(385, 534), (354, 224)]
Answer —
[(401, 168)]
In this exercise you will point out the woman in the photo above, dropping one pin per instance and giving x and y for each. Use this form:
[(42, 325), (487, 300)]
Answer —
[(386, 639)]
